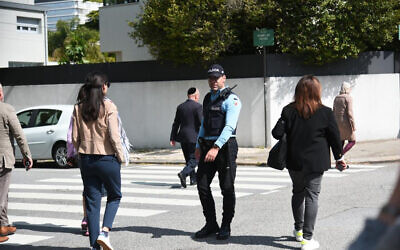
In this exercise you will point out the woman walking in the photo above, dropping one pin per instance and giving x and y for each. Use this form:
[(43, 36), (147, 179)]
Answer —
[(343, 110), (311, 130), (95, 135)]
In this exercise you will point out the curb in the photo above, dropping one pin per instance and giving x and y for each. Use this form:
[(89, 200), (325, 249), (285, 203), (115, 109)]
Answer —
[(262, 164)]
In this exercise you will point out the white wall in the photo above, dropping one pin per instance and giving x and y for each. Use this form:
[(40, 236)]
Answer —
[(147, 109), (20, 46), (114, 23), (376, 101)]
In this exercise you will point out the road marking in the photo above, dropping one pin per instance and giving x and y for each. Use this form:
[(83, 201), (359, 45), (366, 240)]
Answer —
[(43, 221), (214, 184), (78, 197), (24, 239), (134, 212), (134, 190)]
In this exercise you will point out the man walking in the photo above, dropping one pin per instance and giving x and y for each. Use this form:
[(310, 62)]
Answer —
[(184, 130), (217, 151), (10, 128)]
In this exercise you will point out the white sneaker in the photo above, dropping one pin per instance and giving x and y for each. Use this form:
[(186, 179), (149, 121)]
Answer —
[(298, 235), (104, 241), (309, 244)]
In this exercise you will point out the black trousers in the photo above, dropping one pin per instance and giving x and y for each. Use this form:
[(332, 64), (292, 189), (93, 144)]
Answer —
[(225, 164), (191, 163)]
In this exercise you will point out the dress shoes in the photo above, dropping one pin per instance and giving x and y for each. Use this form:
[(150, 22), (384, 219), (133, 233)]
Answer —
[(207, 230), (224, 233), (7, 230), (182, 179), (3, 238)]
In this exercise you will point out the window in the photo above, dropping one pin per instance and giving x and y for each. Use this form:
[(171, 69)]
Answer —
[(12, 64), (46, 117), (24, 118), (27, 24)]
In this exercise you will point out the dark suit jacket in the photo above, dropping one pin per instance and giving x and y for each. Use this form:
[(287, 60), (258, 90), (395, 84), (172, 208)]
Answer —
[(309, 139), (187, 122)]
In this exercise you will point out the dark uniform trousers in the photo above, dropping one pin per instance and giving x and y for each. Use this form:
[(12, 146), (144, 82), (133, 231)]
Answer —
[(225, 164)]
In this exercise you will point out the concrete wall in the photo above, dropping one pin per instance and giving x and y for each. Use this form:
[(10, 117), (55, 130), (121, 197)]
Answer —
[(17, 45), (114, 23), (376, 101), (147, 109)]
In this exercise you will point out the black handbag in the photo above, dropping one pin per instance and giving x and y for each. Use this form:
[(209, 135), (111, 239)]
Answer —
[(278, 154)]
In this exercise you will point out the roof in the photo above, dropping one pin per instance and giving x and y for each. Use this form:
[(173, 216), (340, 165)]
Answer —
[(57, 107), (20, 6)]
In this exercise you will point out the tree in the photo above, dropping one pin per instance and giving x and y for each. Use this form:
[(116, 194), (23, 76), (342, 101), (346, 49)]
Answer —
[(93, 22), (76, 44), (319, 31), (322, 31)]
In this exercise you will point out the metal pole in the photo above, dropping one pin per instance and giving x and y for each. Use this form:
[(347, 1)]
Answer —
[(265, 99)]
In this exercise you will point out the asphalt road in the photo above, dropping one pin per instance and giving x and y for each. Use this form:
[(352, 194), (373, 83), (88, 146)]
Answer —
[(155, 213)]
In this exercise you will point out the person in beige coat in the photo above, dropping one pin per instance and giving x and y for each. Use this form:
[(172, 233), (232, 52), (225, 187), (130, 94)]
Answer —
[(96, 137), (10, 129), (343, 110)]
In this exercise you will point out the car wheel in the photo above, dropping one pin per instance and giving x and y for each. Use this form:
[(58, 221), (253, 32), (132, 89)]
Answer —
[(60, 155)]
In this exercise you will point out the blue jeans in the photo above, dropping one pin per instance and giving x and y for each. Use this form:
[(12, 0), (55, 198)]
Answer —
[(98, 170)]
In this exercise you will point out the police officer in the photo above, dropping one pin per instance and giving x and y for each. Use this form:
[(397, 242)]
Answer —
[(217, 150)]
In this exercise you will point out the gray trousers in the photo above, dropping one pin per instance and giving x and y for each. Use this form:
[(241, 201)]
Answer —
[(306, 188), (5, 176)]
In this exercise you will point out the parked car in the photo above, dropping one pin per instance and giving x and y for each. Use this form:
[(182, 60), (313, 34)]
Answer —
[(46, 128)]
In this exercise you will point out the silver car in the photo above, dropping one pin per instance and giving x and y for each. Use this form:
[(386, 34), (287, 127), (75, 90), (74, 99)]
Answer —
[(46, 129)]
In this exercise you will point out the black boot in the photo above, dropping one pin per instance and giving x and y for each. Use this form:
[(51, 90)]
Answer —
[(208, 229), (225, 232), (182, 179)]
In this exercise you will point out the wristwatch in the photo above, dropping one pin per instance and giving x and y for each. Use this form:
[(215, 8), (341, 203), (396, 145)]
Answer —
[(390, 209), (215, 146)]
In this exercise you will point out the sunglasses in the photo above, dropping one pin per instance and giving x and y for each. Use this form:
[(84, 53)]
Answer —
[(108, 84)]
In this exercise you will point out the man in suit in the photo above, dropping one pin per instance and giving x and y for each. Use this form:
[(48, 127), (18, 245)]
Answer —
[(184, 130), (10, 128)]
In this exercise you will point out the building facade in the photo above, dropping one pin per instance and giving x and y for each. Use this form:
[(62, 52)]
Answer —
[(114, 31), (66, 10), (23, 39)]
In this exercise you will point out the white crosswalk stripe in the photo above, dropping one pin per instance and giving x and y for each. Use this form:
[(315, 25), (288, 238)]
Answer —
[(147, 191)]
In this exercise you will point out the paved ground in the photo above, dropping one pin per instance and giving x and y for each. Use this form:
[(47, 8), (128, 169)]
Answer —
[(155, 213), (362, 152)]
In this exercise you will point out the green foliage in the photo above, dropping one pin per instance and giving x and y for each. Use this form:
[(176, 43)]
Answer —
[(76, 44), (93, 22), (322, 31), (319, 31)]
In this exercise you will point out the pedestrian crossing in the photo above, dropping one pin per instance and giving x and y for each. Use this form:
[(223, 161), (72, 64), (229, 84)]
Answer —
[(148, 190)]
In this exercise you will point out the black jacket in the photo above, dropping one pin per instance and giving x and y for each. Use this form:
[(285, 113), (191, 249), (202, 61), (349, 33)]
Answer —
[(187, 122), (309, 139)]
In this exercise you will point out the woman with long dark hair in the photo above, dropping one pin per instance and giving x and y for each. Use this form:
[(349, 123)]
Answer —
[(311, 130), (95, 135)]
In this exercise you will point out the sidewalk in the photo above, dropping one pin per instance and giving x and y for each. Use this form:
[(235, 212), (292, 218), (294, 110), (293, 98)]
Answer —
[(362, 152)]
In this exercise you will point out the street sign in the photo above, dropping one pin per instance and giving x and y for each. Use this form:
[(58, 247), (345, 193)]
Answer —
[(263, 37)]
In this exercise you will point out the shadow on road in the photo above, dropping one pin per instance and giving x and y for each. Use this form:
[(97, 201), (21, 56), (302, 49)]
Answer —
[(44, 164), (46, 228), (155, 231), (247, 240)]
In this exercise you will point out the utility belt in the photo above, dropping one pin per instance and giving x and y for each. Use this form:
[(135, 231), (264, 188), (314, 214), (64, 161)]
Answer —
[(205, 144)]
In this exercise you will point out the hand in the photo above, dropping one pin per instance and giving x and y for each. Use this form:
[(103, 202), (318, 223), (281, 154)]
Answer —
[(172, 143), (197, 154), (211, 154), (341, 165), (27, 167)]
